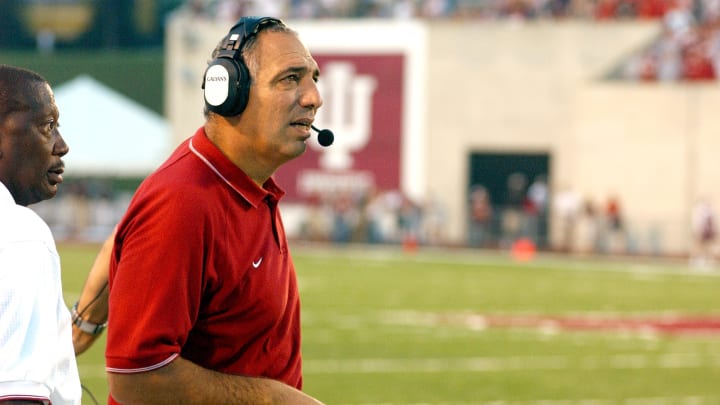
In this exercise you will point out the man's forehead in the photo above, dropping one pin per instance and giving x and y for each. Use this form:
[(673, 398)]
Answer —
[(282, 48), (43, 95), (39, 101), (28, 95)]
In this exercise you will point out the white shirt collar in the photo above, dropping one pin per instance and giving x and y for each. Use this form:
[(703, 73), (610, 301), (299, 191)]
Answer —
[(5, 196)]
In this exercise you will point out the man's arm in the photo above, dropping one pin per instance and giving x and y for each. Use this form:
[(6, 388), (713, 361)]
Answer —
[(92, 306), (185, 382)]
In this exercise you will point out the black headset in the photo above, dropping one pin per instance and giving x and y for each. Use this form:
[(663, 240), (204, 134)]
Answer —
[(226, 82)]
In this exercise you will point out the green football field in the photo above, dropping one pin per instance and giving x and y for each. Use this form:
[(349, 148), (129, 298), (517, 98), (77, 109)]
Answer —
[(383, 326)]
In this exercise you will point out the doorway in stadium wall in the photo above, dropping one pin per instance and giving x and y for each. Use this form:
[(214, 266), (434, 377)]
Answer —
[(507, 198)]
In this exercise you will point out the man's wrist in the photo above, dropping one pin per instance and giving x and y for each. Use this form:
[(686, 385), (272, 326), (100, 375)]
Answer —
[(84, 325)]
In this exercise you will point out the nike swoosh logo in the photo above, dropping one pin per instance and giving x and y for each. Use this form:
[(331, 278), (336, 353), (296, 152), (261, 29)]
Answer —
[(257, 263)]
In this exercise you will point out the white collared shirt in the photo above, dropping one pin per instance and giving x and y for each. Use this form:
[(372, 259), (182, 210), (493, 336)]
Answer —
[(37, 360)]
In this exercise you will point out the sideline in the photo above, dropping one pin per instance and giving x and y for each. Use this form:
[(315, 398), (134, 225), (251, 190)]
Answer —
[(503, 258)]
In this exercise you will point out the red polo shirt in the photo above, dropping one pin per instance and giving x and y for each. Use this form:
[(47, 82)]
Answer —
[(201, 269)]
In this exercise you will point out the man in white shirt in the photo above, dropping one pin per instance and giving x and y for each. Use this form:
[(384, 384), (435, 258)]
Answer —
[(37, 361)]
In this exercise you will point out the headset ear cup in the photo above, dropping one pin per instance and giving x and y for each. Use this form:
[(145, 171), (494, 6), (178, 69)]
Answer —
[(226, 83), (242, 90), (224, 87)]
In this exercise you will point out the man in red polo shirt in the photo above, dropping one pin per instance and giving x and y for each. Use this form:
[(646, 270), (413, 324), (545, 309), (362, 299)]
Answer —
[(203, 298)]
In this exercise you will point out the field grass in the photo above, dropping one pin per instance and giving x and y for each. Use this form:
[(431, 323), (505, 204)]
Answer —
[(381, 326)]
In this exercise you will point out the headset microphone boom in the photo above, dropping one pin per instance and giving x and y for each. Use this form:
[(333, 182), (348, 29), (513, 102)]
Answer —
[(325, 136)]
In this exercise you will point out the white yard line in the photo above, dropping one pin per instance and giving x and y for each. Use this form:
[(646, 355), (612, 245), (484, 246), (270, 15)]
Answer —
[(688, 400), (486, 364), (513, 363)]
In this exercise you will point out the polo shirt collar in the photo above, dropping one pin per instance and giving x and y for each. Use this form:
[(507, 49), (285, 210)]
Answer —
[(204, 149)]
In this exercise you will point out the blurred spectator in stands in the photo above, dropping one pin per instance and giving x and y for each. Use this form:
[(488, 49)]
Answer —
[(537, 197), (713, 49), (381, 216), (266, 7), (77, 204), (368, 9), (517, 9), (703, 225), (434, 220), (637, 66), (375, 213), (651, 9), (561, 8), (345, 218), (680, 17), (229, 11), (588, 228), (302, 9), (436, 8), (404, 9), (648, 67), (697, 59), (669, 58), (567, 204), (606, 9), (316, 224), (512, 210), (480, 214), (528, 221), (409, 219), (583, 9), (105, 215), (615, 226)]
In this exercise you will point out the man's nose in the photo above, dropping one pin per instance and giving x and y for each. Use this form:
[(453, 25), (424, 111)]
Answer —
[(61, 148), (311, 97)]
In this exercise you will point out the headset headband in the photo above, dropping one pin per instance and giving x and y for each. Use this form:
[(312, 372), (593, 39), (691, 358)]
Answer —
[(239, 34)]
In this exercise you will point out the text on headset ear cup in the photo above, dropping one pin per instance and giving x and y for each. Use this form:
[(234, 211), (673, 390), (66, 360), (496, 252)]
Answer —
[(226, 86)]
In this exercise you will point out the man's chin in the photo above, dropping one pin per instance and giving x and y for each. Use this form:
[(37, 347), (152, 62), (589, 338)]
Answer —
[(46, 193), (298, 149)]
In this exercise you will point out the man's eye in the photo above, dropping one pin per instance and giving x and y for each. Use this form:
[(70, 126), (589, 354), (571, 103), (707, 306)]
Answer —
[(52, 125), (292, 78)]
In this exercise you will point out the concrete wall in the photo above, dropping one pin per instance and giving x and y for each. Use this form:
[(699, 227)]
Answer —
[(504, 87), (540, 88)]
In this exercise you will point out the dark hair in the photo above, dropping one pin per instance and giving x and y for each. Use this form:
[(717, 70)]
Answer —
[(15, 81), (248, 47)]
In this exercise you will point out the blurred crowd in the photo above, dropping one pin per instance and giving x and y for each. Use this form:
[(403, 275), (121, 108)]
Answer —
[(688, 48), (87, 210), (584, 225), (588, 226), (495, 219), (387, 217), (455, 9)]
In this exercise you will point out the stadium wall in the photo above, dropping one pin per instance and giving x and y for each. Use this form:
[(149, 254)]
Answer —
[(518, 88)]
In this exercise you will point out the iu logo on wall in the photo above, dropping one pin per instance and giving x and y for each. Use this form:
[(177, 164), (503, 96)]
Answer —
[(363, 106)]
